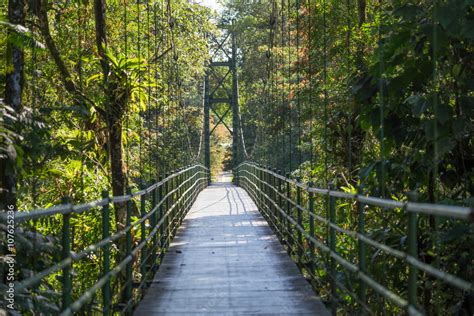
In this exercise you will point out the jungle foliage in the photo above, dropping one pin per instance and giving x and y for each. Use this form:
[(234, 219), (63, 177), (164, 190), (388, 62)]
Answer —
[(367, 96), (373, 97), (108, 98)]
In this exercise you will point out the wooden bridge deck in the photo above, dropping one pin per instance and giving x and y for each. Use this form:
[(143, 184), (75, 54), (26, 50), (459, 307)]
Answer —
[(225, 260)]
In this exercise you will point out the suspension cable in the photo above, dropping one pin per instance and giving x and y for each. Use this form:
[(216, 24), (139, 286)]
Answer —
[(435, 98), (140, 131), (79, 49), (298, 86), (127, 112), (382, 105), (155, 63), (148, 109), (325, 57), (311, 85), (282, 76), (290, 97), (272, 157)]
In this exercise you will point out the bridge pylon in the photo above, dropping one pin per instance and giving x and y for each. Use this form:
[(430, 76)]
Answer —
[(221, 87)]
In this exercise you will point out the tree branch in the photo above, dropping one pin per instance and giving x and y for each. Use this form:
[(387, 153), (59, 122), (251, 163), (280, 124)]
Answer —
[(66, 77)]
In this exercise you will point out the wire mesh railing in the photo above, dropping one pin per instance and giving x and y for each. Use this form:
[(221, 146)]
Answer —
[(128, 258), (362, 254)]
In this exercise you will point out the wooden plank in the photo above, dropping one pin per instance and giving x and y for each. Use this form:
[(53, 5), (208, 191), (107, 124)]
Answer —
[(225, 260)]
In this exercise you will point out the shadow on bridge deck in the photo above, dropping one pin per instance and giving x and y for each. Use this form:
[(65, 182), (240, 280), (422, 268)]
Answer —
[(225, 260)]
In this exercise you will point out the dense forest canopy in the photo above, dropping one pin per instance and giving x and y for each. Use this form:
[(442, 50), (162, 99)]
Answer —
[(97, 96), (376, 92), (371, 97), (123, 87), (375, 97)]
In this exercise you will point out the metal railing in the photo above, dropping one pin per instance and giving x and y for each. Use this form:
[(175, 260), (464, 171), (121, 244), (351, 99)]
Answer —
[(162, 207), (336, 245)]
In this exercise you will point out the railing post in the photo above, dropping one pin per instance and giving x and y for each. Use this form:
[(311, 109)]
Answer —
[(143, 252), (412, 251), (66, 252), (178, 201), (262, 191), (259, 174), (252, 182), (106, 254), (182, 211), (186, 177), (153, 226), (311, 227), (187, 186), (268, 193), (172, 201), (209, 176), (177, 195), (128, 272), (362, 249), (257, 178), (280, 205), (300, 221), (289, 241), (166, 222), (272, 195), (332, 247), (234, 173), (162, 226)]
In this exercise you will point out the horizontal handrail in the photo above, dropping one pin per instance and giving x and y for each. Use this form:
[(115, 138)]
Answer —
[(90, 249), (79, 208), (170, 199), (87, 295), (451, 211), (449, 278), (267, 188)]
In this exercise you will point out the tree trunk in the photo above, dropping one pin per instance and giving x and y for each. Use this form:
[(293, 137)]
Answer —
[(117, 168), (114, 116), (361, 6), (101, 35), (112, 112), (13, 91)]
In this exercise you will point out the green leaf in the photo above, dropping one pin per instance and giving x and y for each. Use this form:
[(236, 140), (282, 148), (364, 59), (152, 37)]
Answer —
[(21, 36), (94, 78), (417, 103), (443, 113)]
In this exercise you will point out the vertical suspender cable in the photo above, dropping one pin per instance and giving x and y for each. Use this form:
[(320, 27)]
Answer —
[(148, 108), (382, 125), (382, 105), (271, 156), (325, 136), (311, 84), (127, 112), (155, 63), (290, 112), (281, 75), (298, 87), (435, 220), (34, 84), (168, 85), (348, 72), (435, 95), (79, 48), (140, 132), (162, 77)]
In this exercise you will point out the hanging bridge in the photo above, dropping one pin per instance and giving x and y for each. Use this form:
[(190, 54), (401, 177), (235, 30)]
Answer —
[(227, 248), (255, 242)]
